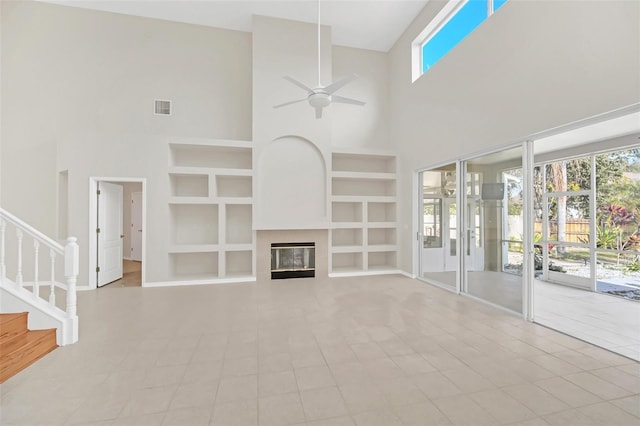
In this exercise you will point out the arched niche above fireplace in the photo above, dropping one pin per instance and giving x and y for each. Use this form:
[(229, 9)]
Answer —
[(291, 181)]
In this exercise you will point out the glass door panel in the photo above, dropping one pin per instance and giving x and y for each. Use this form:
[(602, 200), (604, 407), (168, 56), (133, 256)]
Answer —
[(437, 229), (491, 190)]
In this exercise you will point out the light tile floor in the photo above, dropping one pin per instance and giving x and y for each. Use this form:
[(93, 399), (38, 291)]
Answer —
[(382, 350)]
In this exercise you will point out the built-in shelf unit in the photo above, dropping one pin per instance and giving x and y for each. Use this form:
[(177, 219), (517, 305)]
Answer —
[(210, 206), (363, 213)]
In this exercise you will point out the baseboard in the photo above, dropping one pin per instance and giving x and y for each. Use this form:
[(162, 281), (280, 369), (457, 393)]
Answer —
[(182, 283), (408, 275), (364, 273)]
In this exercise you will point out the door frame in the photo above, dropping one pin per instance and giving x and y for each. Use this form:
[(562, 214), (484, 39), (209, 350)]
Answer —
[(93, 223), (418, 204), (131, 237)]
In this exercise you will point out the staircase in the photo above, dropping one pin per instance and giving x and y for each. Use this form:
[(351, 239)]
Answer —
[(38, 275), (21, 347)]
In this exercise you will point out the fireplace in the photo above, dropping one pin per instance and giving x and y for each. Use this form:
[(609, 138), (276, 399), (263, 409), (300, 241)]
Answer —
[(293, 260)]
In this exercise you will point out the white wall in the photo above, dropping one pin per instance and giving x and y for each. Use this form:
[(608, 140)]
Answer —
[(366, 126), (280, 48), (532, 66), (78, 89), (288, 48), (77, 92)]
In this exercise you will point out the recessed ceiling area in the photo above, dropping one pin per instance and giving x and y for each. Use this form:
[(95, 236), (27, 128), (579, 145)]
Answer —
[(373, 24)]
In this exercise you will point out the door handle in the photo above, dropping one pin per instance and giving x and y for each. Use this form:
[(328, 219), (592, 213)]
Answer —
[(139, 230), (121, 235)]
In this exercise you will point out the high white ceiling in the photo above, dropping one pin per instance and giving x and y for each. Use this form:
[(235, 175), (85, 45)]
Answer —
[(366, 24)]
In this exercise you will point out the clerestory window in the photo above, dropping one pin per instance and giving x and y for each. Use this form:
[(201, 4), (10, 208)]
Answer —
[(456, 20)]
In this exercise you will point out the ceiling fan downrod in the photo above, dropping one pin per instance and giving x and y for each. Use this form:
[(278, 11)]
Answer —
[(322, 96)]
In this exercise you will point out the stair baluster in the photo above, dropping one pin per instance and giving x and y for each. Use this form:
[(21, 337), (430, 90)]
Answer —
[(52, 291), (36, 284), (19, 274)]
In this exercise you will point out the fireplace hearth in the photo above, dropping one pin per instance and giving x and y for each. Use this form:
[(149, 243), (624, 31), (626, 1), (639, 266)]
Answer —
[(292, 260)]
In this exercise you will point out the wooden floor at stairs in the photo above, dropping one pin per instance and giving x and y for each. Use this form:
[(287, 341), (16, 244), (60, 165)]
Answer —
[(21, 347)]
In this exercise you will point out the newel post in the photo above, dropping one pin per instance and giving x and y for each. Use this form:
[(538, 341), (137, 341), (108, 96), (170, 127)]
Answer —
[(71, 270)]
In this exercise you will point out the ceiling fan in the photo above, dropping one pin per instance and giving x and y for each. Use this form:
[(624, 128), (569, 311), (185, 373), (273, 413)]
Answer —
[(322, 96)]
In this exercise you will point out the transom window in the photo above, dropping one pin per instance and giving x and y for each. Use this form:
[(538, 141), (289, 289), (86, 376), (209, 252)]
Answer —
[(454, 23)]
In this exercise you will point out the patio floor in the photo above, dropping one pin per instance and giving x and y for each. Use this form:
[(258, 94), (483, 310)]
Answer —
[(608, 321)]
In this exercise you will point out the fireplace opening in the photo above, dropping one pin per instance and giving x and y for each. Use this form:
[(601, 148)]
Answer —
[(293, 260)]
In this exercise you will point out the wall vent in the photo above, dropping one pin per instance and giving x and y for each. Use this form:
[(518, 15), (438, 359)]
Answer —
[(162, 107)]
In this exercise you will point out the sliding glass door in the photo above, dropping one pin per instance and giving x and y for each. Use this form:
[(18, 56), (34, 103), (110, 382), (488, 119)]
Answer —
[(493, 228), (438, 226)]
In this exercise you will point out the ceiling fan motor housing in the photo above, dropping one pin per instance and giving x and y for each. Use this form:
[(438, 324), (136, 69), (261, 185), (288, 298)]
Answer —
[(319, 99)]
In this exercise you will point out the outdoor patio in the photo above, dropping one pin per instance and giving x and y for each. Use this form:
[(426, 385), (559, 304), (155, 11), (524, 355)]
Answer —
[(608, 321)]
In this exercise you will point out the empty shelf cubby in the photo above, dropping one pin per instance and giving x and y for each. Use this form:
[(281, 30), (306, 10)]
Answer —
[(189, 185), (346, 212), (194, 223), (234, 186)]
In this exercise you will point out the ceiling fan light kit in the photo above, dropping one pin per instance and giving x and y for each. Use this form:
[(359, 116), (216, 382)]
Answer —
[(322, 96)]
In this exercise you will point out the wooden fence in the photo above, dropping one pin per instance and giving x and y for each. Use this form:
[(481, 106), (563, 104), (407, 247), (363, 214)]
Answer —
[(576, 230)]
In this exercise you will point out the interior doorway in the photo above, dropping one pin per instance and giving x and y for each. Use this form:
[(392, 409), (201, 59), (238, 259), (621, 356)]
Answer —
[(109, 233), (117, 217)]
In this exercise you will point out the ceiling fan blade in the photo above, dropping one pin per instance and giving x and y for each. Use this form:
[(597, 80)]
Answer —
[(297, 83), (318, 112), (343, 100), (333, 87), (289, 103)]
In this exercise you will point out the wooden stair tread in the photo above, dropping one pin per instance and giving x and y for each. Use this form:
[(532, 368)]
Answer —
[(20, 347), (12, 325), (4, 318), (24, 340)]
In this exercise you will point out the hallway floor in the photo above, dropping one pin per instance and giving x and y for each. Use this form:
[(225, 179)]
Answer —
[(131, 275), (381, 350)]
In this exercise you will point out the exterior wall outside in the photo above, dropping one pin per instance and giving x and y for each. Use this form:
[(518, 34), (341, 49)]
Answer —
[(531, 67)]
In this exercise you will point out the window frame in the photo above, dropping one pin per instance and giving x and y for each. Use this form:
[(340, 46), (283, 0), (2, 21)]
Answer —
[(442, 18)]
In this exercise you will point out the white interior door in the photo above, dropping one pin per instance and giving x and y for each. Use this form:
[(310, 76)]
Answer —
[(109, 233), (136, 226)]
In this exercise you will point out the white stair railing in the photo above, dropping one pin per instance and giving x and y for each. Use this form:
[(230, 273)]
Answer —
[(69, 254)]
